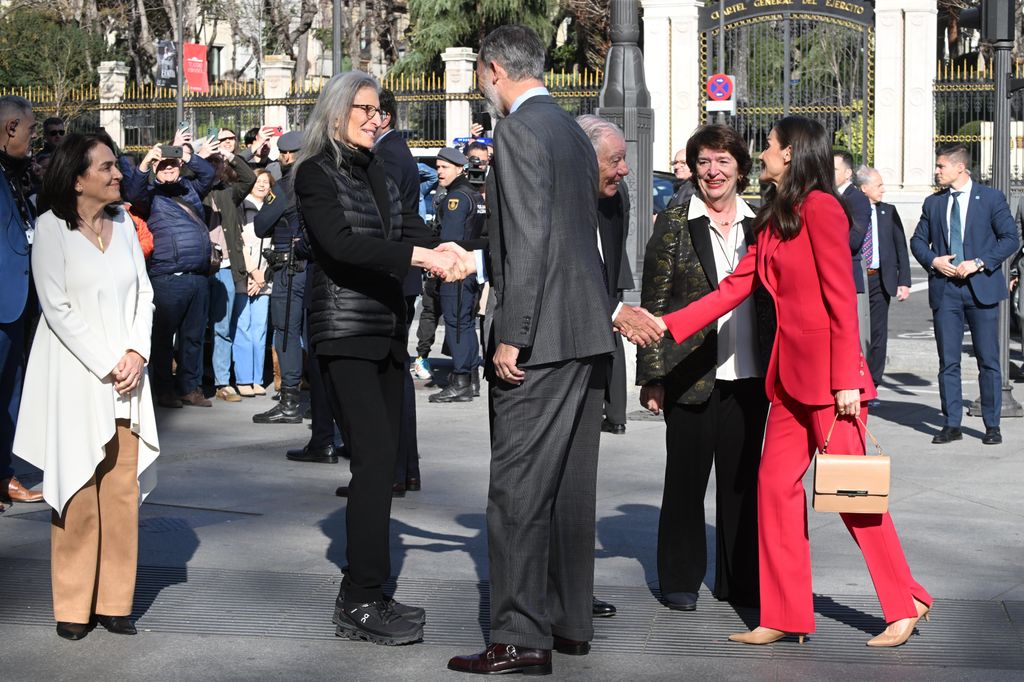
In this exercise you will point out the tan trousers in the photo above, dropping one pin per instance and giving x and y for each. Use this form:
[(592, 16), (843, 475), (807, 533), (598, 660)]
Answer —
[(95, 547)]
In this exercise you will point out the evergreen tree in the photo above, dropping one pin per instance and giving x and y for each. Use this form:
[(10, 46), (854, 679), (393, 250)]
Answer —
[(436, 25)]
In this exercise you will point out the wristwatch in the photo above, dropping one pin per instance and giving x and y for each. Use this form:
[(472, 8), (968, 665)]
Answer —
[(980, 264)]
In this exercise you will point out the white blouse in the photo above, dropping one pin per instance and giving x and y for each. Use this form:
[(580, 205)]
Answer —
[(96, 306)]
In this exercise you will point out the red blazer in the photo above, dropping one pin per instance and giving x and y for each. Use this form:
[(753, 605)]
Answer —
[(817, 345)]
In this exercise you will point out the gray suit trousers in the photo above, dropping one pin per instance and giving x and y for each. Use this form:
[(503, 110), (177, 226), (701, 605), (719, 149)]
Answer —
[(541, 503)]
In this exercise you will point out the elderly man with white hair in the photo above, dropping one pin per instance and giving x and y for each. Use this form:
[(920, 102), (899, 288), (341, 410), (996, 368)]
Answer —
[(888, 265)]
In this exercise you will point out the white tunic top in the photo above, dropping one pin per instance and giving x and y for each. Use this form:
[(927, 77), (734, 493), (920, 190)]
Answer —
[(96, 306)]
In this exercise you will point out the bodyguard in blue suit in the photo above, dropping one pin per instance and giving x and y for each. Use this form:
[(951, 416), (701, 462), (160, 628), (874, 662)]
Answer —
[(17, 305), (965, 233)]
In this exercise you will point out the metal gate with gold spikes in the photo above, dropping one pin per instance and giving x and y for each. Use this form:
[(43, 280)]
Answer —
[(812, 58)]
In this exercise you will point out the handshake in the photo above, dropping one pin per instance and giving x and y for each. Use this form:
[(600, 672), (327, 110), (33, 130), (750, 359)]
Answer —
[(639, 326), (448, 262)]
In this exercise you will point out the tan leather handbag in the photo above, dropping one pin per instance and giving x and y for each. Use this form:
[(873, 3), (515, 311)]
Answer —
[(854, 484)]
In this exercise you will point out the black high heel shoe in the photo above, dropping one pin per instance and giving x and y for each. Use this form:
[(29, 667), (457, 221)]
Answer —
[(72, 631), (119, 625)]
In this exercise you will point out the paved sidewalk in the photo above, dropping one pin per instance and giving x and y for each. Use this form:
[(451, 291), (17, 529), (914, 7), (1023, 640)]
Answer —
[(241, 550)]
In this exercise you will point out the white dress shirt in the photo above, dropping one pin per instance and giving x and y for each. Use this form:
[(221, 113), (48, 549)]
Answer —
[(737, 329)]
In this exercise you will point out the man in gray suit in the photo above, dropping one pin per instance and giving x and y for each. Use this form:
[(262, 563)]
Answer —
[(549, 326)]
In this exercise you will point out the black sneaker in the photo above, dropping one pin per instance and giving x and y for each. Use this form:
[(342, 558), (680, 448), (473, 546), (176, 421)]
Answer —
[(376, 622), (411, 613)]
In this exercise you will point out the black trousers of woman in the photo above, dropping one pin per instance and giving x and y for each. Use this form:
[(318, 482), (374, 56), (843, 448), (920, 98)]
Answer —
[(728, 429), (368, 408)]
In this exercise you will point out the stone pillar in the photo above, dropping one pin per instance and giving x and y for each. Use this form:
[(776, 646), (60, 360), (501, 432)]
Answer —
[(278, 70), (919, 70), (113, 76), (459, 66), (672, 64), (888, 119)]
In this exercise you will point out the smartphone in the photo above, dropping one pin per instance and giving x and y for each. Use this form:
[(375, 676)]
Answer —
[(212, 133), (169, 151), (275, 131), (483, 118), (184, 125)]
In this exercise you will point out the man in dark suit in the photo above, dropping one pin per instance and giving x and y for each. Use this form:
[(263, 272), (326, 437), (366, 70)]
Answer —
[(859, 209), (888, 266), (965, 233), (548, 321), (17, 295), (613, 226)]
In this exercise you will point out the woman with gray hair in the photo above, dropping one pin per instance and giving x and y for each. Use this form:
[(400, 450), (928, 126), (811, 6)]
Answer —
[(364, 244)]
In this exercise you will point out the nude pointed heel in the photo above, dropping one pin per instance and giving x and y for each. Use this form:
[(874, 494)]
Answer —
[(761, 635), (893, 639), (923, 611)]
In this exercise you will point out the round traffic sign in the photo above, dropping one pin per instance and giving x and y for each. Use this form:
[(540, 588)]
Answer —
[(719, 87)]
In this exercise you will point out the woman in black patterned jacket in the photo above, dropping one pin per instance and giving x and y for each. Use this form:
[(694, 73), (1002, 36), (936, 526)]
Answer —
[(710, 387)]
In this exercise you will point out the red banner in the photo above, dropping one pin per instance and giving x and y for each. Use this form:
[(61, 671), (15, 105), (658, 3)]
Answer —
[(194, 58)]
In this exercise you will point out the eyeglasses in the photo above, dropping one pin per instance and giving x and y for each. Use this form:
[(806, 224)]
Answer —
[(370, 110), (58, 133), (677, 162), (226, 139)]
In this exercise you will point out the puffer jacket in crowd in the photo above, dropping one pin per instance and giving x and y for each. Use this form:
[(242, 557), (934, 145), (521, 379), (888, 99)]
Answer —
[(181, 239)]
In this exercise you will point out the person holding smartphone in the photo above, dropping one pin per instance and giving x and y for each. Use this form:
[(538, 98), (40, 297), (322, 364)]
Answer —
[(173, 208)]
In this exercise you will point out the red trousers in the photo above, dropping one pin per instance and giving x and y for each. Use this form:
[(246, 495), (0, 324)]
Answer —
[(793, 434)]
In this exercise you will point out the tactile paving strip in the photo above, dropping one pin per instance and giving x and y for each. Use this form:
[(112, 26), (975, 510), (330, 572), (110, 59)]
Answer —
[(962, 633)]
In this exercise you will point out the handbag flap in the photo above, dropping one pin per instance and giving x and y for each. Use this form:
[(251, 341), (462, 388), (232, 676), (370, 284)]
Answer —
[(851, 474)]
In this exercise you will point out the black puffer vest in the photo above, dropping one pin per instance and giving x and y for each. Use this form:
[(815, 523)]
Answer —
[(348, 301)]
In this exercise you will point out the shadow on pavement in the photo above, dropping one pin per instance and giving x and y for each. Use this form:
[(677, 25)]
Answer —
[(166, 545)]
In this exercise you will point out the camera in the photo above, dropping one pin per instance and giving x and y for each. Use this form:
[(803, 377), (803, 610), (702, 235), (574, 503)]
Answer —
[(476, 172)]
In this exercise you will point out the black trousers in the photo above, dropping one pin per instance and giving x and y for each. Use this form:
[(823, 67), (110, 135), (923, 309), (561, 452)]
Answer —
[(408, 464), (368, 407), (615, 386), (429, 317), (879, 301), (289, 325), (729, 429)]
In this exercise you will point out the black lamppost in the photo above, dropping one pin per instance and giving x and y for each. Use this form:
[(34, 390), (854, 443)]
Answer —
[(625, 101), (336, 37), (997, 22), (179, 98)]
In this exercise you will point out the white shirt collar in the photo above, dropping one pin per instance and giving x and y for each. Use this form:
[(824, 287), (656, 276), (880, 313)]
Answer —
[(965, 190), (698, 209), (532, 92), (841, 189)]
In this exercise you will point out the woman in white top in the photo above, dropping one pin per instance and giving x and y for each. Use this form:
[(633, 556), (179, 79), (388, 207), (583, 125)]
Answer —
[(252, 296), (86, 413)]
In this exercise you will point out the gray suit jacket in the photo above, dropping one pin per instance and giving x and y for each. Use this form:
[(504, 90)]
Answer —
[(547, 282)]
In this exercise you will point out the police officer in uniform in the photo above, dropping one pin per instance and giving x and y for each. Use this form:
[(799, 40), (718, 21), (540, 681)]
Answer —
[(279, 218), (461, 216)]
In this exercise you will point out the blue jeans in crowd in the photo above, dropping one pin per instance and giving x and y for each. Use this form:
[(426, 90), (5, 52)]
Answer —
[(222, 298), (251, 315), (181, 303)]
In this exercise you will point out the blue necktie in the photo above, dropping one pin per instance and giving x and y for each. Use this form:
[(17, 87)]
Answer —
[(956, 237)]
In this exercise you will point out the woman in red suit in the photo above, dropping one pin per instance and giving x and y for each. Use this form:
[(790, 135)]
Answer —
[(816, 373)]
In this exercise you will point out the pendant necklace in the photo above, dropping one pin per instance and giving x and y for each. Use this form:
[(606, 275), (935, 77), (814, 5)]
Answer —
[(720, 240), (98, 233)]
